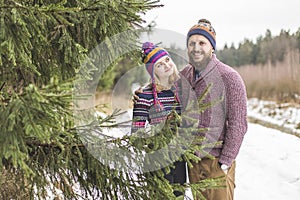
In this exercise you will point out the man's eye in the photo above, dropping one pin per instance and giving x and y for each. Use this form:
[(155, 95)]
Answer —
[(192, 44), (167, 59)]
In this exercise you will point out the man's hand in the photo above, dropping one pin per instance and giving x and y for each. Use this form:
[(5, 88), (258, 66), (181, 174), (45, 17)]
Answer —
[(224, 167), (135, 96)]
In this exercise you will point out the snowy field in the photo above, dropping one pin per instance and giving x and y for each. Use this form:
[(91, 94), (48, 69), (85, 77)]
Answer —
[(284, 116), (268, 165)]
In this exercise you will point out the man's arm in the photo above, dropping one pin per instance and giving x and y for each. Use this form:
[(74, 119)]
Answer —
[(236, 117)]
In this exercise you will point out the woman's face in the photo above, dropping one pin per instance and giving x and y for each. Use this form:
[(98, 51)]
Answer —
[(164, 67)]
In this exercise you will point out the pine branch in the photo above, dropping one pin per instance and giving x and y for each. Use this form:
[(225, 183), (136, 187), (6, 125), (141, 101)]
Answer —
[(1, 87)]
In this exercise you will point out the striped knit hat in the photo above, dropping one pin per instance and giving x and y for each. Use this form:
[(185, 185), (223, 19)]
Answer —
[(203, 28), (151, 53)]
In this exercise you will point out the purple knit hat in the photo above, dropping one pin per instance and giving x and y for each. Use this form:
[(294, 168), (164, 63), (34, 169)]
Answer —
[(203, 28), (151, 53)]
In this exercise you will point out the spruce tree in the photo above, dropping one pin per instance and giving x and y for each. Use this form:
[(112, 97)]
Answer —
[(43, 44)]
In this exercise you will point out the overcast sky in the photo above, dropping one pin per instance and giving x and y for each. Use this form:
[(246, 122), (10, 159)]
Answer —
[(233, 20)]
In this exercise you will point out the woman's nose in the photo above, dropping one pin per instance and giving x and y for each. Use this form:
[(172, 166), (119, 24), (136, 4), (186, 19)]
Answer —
[(167, 65)]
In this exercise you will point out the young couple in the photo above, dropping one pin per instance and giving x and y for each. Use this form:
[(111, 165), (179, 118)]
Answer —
[(226, 121)]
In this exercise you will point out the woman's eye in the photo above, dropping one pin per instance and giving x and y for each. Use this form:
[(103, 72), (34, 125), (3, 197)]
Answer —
[(167, 59)]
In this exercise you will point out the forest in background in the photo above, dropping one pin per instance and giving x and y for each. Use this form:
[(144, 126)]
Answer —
[(269, 66)]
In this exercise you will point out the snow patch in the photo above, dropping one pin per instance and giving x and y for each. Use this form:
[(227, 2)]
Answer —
[(285, 115)]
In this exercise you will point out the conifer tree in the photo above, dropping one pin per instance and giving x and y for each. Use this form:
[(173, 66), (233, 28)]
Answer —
[(42, 46)]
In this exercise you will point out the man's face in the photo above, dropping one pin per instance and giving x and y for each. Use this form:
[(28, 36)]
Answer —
[(199, 51)]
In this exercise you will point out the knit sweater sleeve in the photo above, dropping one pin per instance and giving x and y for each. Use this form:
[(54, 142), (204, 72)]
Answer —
[(236, 116), (140, 113)]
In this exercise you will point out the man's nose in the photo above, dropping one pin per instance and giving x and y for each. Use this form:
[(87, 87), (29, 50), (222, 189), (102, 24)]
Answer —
[(197, 47)]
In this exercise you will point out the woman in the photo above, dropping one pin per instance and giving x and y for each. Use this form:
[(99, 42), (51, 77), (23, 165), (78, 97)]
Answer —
[(159, 98)]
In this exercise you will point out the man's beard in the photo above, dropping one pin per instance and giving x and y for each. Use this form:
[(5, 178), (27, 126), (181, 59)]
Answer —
[(201, 64)]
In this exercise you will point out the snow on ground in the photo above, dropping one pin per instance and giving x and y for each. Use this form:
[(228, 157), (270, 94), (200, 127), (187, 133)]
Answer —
[(268, 165), (284, 115)]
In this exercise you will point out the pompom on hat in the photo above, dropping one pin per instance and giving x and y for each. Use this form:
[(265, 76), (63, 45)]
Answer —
[(152, 53), (204, 28)]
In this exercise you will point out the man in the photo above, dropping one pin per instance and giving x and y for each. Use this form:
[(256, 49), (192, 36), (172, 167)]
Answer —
[(226, 118)]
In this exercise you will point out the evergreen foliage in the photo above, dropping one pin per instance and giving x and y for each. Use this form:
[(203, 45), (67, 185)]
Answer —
[(43, 44), (265, 49)]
